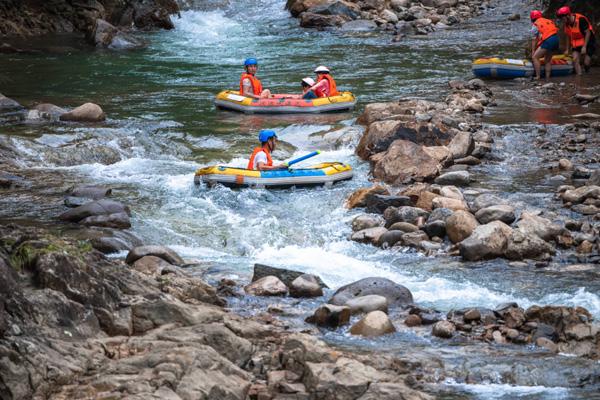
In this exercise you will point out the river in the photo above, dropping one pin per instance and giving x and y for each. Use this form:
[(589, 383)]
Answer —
[(162, 126)]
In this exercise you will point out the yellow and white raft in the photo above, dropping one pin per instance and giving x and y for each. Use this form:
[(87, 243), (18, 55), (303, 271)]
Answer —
[(283, 103), (324, 174), (506, 68)]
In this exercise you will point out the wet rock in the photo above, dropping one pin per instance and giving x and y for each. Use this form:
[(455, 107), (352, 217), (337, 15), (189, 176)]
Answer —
[(460, 225), (565, 165), (312, 20), (413, 239), (443, 329), (330, 315), (502, 212), (296, 7), (103, 34), (89, 112), (154, 15), (486, 241), (581, 194), (531, 224), (486, 200), (378, 203), (368, 303), (404, 214), (359, 25), (73, 202), (94, 208), (469, 160), (286, 276), (404, 227), (585, 247), (390, 238), (404, 161), (375, 323), (449, 203), (378, 112), (396, 295), (267, 286), (461, 145), (7, 104), (336, 7), (439, 214), (306, 286), (452, 192), (547, 344), (522, 245), (116, 220), (435, 228), (367, 221), (412, 320), (163, 252), (483, 137), (151, 265), (370, 235), (46, 111), (359, 197), (457, 178), (471, 315), (91, 192)]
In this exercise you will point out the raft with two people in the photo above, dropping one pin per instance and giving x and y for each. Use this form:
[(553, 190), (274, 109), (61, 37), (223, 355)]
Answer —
[(323, 174), (506, 68)]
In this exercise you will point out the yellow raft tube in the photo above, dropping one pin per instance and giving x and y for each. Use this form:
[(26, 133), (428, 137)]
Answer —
[(324, 174), (283, 103)]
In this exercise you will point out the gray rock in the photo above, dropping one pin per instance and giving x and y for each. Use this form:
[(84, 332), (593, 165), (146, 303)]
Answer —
[(366, 221), (117, 220), (443, 329), (378, 203), (486, 241), (94, 208), (435, 228), (486, 200), (439, 214), (531, 224), (457, 178), (397, 295), (73, 202), (461, 145), (267, 286), (390, 238), (460, 226), (306, 286), (287, 276), (334, 7), (330, 315), (403, 214), (370, 235), (501, 212), (163, 252), (403, 227), (359, 25), (7, 104), (368, 303), (375, 323), (522, 245), (413, 239)]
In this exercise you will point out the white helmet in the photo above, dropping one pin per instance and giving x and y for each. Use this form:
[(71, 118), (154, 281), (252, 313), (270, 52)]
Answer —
[(309, 81), (322, 68)]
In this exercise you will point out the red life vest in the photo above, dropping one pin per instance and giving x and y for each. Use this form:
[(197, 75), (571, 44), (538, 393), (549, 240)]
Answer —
[(575, 35), (332, 87), (256, 85), (255, 152), (546, 28)]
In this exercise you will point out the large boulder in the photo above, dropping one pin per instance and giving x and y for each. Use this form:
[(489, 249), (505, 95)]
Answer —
[(522, 245), (396, 295), (91, 192), (460, 225), (487, 241), (336, 7), (103, 34), (531, 224), (267, 286), (375, 323), (88, 112), (94, 208), (501, 212), (461, 145), (154, 14), (163, 252)]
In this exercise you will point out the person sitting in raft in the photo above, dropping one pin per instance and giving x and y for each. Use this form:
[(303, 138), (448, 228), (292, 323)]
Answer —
[(544, 42), (581, 38), (250, 85), (325, 85), (261, 156), (308, 94)]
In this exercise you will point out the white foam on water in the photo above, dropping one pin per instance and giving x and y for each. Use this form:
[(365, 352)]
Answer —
[(205, 27), (581, 297), (504, 391)]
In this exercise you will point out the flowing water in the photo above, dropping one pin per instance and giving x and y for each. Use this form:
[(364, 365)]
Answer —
[(162, 126)]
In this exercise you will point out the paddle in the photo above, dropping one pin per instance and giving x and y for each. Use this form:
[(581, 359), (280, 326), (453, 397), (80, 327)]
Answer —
[(297, 160)]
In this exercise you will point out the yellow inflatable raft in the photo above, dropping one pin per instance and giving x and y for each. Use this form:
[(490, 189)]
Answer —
[(324, 174), (283, 103)]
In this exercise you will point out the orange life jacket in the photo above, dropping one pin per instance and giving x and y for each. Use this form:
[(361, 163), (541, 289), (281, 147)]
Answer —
[(255, 152), (256, 85), (546, 28), (332, 86), (577, 37)]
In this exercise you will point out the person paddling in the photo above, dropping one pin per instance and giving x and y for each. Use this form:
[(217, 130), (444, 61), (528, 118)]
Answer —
[(581, 38), (325, 85), (261, 156), (544, 43), (250, 85)]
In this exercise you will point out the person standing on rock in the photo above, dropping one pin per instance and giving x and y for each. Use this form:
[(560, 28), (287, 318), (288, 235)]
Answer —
[(250, 85), (581, 38), (544, 42), (325, 85), (261, 156)]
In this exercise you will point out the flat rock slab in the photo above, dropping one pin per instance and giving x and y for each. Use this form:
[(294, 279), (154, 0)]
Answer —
[(396, 294), (163, 252), (98, 207), (287, 276)]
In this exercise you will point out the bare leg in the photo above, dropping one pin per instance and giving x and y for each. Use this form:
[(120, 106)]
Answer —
[(577, 62), (539, 53), (548, 65), (587, 62)]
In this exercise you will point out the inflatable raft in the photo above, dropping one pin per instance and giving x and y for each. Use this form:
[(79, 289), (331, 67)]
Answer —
[(324, 174), (506, 68), (283, 104)]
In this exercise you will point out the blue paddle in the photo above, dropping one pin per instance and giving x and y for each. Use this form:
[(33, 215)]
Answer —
[(297, 160)]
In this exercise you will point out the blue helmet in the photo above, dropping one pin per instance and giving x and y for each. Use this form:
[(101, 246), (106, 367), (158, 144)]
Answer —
[(250, 61), (265, 135)]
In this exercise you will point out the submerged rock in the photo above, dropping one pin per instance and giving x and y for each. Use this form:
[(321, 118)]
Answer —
[(95, 208), (396, 295)]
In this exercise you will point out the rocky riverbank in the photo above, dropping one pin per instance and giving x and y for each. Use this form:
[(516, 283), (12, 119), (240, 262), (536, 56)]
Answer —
[(400, 17)]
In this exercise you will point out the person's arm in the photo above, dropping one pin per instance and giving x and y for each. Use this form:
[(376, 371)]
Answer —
[(248, 90), (318, 85), (261, 166), (534, 36)]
